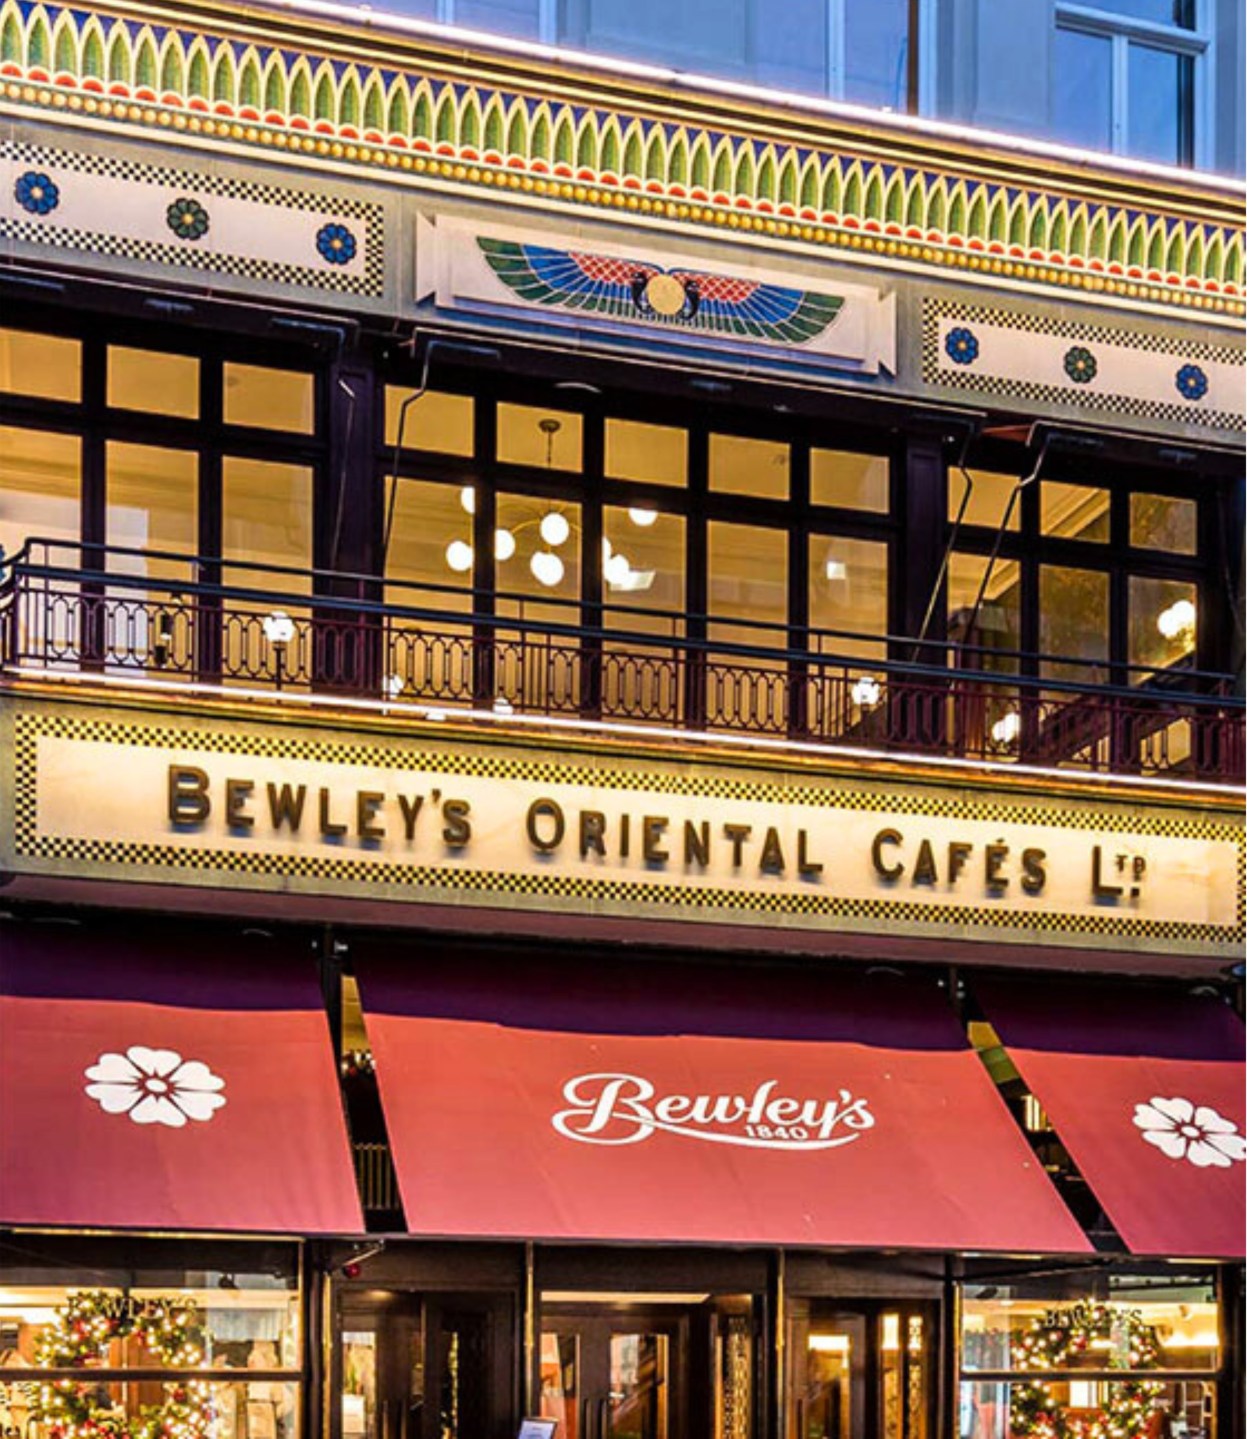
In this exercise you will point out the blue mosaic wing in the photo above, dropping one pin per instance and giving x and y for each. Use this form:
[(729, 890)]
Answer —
[(565, 278)]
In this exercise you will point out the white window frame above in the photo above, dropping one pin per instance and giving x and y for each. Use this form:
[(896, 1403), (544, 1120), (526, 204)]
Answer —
[(1124, 30)]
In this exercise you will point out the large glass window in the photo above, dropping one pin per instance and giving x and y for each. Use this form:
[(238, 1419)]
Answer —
[(643, 593), (266, 512), (850, 481), (237, 1313), (434, 421), (848, 596), (537, 551), (40, 487), (748, 568), (1073, 623), (741, 466), (151, 380), (269, 399), (429, 565), (638, 451), (45, 366), (1118, 1354), (549, 439)]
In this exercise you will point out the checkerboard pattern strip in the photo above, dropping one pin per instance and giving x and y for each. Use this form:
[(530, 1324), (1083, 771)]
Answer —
[(985, 383), (368, 281), (1183, 825), (654, 893)]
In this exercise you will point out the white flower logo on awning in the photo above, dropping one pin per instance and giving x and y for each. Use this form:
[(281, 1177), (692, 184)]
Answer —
[(155, 1086), (1196, 1133)]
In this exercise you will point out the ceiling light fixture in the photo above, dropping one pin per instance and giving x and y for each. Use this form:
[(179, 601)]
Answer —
[(459, 556), (642, 516), (504, 544), (554, 528), (547, 568)]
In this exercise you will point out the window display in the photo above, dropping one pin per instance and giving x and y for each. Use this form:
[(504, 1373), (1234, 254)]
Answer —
[(1141, 1358), (86, 1361)]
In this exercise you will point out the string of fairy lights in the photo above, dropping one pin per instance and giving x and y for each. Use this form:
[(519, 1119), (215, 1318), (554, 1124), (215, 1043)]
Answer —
[(169, 1330), (1061, 1339)]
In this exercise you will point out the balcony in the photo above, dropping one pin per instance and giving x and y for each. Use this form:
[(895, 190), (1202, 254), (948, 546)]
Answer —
[(156, 620)]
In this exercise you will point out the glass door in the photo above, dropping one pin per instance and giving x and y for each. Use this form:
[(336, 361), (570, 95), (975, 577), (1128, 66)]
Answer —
[(423, 1366), (620, 1375), (860, 1370)]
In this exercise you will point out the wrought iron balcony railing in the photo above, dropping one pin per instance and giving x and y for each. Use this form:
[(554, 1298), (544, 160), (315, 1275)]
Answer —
[(147, 615)]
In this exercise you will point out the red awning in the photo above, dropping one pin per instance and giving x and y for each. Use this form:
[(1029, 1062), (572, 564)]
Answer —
[(167, 1081), (660, 1102), (1144, 1087)]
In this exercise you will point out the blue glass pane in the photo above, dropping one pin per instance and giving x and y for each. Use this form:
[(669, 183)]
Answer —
[(1161, 12), (790, 45), (708, 37), (1081, 90), (876, 52), (1159, 89), (501, 17)]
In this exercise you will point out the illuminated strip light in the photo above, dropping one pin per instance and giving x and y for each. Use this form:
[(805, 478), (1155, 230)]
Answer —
[(510, 716), (732, 89)]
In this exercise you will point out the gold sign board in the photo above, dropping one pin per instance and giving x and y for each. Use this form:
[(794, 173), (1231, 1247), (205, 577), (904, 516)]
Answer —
[(435, 818)]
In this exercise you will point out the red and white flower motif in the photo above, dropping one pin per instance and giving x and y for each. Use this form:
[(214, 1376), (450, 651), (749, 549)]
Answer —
[(1196, 1133), (155, 1086)]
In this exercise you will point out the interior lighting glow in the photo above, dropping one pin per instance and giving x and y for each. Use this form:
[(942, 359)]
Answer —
[(459, 556), (829, 1343), (278, 628), (467, 498), (504, 544), (642, 517), (554, 528), (866, 692), (547, 568), (1007, 728), (617, 570), (1177, 620)]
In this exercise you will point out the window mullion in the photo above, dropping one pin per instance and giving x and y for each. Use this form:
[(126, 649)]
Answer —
[(1119, 95), (835, 48)]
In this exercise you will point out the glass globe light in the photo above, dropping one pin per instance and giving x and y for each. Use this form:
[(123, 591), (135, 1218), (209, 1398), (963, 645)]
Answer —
[(617, 570), (642, 517), (554, 528), (459, 556), (467, 498), (504, 544), (547, 568)]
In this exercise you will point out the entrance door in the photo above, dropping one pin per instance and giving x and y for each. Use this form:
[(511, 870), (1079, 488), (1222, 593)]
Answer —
[(615, 1374), (861, 1370), (423, 1366)]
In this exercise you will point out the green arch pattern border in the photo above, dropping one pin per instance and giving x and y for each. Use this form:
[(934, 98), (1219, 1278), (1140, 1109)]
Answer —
[(297, 103)]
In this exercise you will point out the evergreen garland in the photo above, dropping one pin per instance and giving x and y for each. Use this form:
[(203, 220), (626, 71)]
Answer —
[(1059, 1341), (171, 1332)]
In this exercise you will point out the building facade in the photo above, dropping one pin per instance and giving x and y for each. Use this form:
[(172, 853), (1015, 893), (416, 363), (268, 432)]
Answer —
[(622, 769)]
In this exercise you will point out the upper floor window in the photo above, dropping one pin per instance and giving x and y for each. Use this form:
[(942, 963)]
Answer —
[(1130, 77)]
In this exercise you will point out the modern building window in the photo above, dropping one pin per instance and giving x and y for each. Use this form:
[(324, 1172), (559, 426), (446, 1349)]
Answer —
[(1131, 77)]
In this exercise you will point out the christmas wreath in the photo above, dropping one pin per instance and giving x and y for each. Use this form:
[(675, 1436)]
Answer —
[(1061, 1339), (171, 1332)]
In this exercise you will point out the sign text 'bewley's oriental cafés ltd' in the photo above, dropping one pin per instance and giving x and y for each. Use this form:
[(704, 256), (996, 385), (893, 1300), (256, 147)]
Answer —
[(514, 827)]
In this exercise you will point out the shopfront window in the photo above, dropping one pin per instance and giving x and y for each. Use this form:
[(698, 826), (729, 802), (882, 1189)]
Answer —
[(748, 582), (1139, 1354), (68, 1342)]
